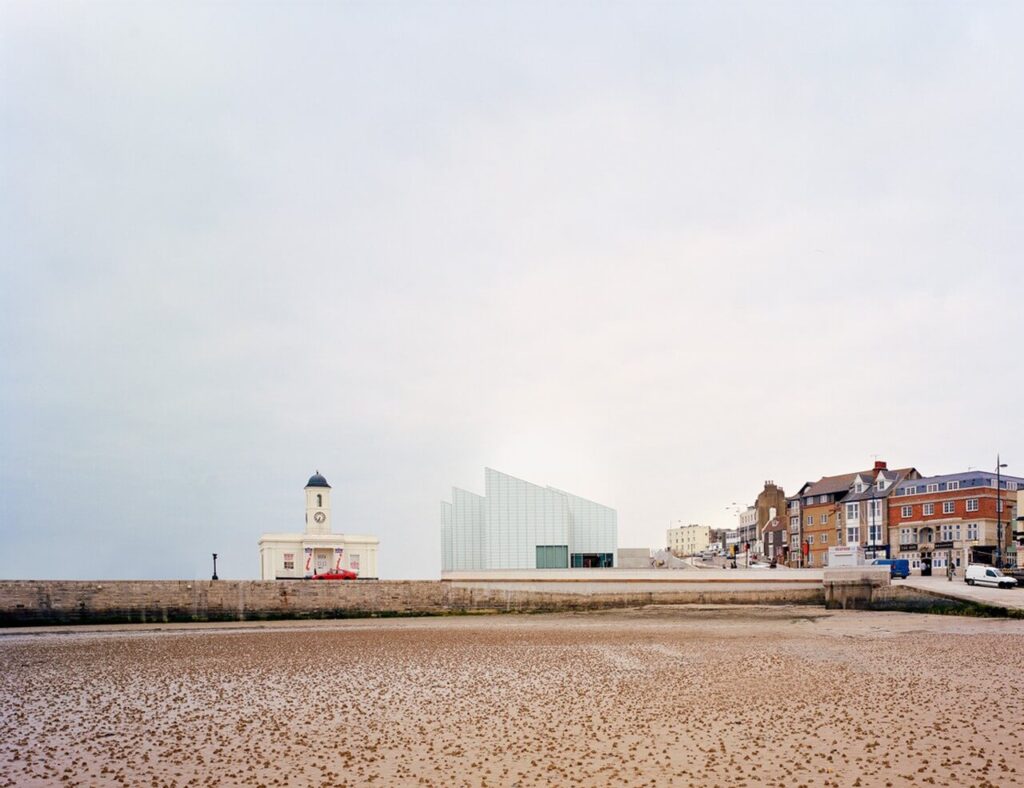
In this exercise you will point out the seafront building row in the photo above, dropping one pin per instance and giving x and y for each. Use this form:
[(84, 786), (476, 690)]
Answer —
[(932, 521)]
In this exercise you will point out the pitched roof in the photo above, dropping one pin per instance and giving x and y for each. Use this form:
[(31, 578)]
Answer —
[(893, 477), (834, 484)]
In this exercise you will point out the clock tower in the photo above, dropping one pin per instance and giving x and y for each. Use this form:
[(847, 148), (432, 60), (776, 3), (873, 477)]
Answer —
[(318, 505)]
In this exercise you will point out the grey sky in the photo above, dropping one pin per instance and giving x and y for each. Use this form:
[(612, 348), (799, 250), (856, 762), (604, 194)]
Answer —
[(651, 254)]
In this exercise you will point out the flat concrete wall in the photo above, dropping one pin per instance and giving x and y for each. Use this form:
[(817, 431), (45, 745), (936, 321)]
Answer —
[(908, 599), (28, 602), (853, 588)]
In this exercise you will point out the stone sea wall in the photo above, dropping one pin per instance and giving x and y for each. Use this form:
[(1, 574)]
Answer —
[(41, 602)]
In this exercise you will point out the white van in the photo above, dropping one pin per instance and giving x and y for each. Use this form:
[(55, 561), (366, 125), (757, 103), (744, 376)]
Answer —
[(987, 575)]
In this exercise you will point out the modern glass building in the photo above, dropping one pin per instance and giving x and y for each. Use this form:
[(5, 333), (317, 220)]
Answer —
[(519, 525)]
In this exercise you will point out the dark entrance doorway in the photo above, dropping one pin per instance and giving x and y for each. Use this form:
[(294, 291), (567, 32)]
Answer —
[(591, 560)]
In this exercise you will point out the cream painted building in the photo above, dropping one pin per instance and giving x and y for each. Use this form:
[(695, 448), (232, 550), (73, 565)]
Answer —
[(317, 550), (689, 539)]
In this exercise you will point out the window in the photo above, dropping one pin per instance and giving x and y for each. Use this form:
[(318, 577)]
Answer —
[(319, 500), (822, 499), (932, 488), (552, 556), (972, 531), (824, 538), (956, 531), (928, 508), (810, 519), (874, 510), (880, 484), (907, 536), (910, 491), (794, 541), (1011, 485), (906, 511), (824, 519), (972, 504), (289, 560), (852, 511), (853, 535), (948, 507), (953, 486), (874, 534), (794, 521)]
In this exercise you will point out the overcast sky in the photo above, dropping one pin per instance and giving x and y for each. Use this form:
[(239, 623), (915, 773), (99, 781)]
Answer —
[(652, 254)]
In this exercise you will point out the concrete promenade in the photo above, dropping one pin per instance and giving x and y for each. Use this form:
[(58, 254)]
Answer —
[(1009, 598), (605, 581)]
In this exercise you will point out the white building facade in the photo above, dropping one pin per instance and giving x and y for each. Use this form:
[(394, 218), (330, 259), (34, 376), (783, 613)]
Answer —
[(688, 539), (519, 525), (294, 556)]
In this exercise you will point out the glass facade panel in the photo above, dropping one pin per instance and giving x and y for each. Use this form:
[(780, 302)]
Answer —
[(507, 527), (554, 556)]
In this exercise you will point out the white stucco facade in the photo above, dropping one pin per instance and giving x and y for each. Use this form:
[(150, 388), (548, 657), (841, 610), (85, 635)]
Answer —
[(316, 550), (688, 539)]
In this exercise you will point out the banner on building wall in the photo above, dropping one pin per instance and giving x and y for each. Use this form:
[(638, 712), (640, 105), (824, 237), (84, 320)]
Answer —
[(309, 556), (338, 551)]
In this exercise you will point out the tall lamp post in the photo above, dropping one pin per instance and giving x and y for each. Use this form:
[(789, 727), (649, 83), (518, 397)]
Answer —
[(999, 511), (214, 567)]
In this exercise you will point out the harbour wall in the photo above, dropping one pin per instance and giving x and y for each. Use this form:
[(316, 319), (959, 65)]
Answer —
[(45, 602)]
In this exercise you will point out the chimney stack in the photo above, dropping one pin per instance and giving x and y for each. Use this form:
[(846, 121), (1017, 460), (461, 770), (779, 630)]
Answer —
[(880, 465)]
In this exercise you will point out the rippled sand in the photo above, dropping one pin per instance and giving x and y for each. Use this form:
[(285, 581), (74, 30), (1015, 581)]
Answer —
[(660, 696)]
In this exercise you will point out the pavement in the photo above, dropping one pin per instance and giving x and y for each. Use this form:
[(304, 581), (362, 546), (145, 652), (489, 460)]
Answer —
[(986, 595)]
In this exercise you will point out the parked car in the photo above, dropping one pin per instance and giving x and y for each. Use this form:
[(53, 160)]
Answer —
[(337, 574), (898, 567), (987, 575)]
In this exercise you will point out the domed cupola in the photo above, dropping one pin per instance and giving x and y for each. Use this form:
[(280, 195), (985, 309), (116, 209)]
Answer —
[(318, 505)]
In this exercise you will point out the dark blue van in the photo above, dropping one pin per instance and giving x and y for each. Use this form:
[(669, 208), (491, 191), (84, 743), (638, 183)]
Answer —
[(898, 567)]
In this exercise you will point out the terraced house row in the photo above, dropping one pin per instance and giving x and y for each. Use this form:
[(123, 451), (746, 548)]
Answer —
[(931, 521)]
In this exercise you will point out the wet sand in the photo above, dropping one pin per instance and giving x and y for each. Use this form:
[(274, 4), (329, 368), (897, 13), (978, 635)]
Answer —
[(659, 696)]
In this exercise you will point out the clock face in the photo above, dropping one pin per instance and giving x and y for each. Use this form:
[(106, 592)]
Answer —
[(319, 517)]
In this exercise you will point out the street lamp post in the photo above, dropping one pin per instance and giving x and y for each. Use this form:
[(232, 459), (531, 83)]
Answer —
[(214, 567), (999, 511)]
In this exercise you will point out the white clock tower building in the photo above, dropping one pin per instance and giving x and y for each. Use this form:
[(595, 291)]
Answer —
[(317, 551), (318, 505)]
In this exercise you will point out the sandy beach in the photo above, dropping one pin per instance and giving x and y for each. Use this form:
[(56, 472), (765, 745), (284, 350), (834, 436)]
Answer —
[(659, 696)]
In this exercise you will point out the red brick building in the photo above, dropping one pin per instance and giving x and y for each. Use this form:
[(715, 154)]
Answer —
[(939, 519)]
